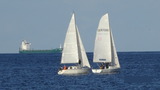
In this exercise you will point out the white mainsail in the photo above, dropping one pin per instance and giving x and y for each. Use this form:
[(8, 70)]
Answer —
[(73, 49), (102, 50), (70, 48)]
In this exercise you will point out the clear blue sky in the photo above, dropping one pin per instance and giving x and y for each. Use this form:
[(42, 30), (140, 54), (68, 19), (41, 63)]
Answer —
[(135, 23)]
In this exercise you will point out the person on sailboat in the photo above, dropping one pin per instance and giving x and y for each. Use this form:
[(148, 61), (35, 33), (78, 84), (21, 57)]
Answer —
[(102, 66), (79, 61), (107, 65), (65, 67)]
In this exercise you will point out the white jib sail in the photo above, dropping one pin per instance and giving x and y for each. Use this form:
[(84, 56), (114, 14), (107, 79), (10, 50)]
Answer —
[(102, 48), (82, 53), (115, 60), (70, 48)]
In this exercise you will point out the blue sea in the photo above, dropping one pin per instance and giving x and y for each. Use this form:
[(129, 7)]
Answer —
[(139, 71)]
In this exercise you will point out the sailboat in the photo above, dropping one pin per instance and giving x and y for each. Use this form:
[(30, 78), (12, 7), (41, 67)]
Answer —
[(74, 52), (105, 54)]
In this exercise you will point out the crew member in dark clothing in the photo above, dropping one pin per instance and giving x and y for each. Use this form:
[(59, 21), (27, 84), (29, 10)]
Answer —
[(107, 65), (79, 61)]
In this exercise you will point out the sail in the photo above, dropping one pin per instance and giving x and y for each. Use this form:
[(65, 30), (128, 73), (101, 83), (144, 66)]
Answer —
[(82, 53), (115, 60), (70, 48), (102, 48)]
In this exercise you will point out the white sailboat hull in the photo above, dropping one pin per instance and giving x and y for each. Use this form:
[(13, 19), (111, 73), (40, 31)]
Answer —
[(76, 71), (109, 70)]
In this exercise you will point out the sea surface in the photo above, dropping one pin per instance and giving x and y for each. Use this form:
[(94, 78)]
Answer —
[(139, 71)]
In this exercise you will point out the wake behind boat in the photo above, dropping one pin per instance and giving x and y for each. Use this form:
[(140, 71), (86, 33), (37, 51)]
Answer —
[(74, 52), (104, 50)]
